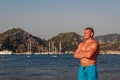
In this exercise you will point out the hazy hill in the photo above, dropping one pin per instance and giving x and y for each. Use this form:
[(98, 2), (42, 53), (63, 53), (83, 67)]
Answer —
[(68, 40), (108, 38), (19, 41), (109, 42)]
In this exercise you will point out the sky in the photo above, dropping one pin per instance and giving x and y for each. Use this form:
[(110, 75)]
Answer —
[(48, 18)]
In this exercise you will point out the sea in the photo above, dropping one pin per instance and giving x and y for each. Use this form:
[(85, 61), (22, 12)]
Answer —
[(54, 67)]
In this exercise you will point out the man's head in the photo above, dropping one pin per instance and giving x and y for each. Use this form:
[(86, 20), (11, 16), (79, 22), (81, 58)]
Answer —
[(88, 32)]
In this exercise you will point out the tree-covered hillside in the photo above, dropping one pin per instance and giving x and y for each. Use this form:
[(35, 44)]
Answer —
[(19, 41)]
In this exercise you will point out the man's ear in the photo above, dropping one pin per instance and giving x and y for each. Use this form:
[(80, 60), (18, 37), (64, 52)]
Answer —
[(92, 34)]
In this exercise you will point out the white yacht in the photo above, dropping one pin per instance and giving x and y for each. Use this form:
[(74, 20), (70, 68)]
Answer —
[(5, 52)]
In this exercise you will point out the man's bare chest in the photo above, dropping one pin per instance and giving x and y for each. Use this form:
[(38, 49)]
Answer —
[(86, 47)]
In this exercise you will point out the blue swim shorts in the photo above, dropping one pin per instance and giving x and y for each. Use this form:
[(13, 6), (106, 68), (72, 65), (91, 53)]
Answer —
[(88, 73)]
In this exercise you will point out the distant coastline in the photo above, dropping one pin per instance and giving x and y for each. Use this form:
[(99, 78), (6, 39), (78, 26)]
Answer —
[(51, 53), (109, 52)]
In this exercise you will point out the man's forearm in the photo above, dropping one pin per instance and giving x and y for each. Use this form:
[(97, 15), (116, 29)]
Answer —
[(86, 55), (78, 54)]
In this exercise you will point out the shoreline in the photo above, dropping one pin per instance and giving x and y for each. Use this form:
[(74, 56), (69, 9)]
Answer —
[(5, 52), (109, 52), (52, 54)]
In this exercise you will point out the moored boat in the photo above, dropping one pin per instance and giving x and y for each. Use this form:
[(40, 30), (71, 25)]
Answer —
[(5, 52)]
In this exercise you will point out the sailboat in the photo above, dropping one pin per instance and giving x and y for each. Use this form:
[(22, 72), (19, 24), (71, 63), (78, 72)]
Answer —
[(29, 48), (60, 48), (52, 49)]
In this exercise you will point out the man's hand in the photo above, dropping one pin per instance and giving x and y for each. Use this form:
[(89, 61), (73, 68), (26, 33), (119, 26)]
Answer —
[(77, 54)]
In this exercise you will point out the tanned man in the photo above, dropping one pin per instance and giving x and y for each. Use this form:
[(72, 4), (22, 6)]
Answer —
[(87, 52)]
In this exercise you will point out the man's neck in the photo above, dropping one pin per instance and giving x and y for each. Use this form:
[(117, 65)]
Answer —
[(88, 40)]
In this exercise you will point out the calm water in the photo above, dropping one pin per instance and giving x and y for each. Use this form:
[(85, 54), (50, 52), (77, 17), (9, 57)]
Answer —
[(50, 67)]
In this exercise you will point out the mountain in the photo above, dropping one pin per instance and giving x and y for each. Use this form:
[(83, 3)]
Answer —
[(68, 40), (108, 38), (109, 42), (20, 41)]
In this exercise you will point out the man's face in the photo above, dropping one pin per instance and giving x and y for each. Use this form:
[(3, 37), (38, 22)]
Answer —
[(88, 34)]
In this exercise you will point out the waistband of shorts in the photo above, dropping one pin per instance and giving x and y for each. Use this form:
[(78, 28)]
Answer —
[(89, 66)]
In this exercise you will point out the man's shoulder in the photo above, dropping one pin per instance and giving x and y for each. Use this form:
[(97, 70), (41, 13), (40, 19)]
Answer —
[(81, 43), (95, 41)]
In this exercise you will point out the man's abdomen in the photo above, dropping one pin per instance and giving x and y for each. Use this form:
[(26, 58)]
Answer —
[(87, 62)]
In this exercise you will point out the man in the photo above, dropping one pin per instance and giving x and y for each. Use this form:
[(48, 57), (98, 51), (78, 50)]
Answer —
[(87, 52)]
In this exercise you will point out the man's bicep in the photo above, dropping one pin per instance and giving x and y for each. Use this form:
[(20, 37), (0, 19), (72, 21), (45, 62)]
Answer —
[(96, 46), (93, 50), (77, 52)]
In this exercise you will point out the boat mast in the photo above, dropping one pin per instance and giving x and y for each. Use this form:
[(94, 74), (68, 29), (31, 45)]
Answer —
[(60, 47), (29, 46), (49, 48)]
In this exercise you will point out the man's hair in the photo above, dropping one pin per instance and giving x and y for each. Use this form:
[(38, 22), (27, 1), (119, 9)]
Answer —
[(90, 29)]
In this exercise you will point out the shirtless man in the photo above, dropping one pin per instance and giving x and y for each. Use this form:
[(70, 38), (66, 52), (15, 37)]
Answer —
[(87, 52)]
